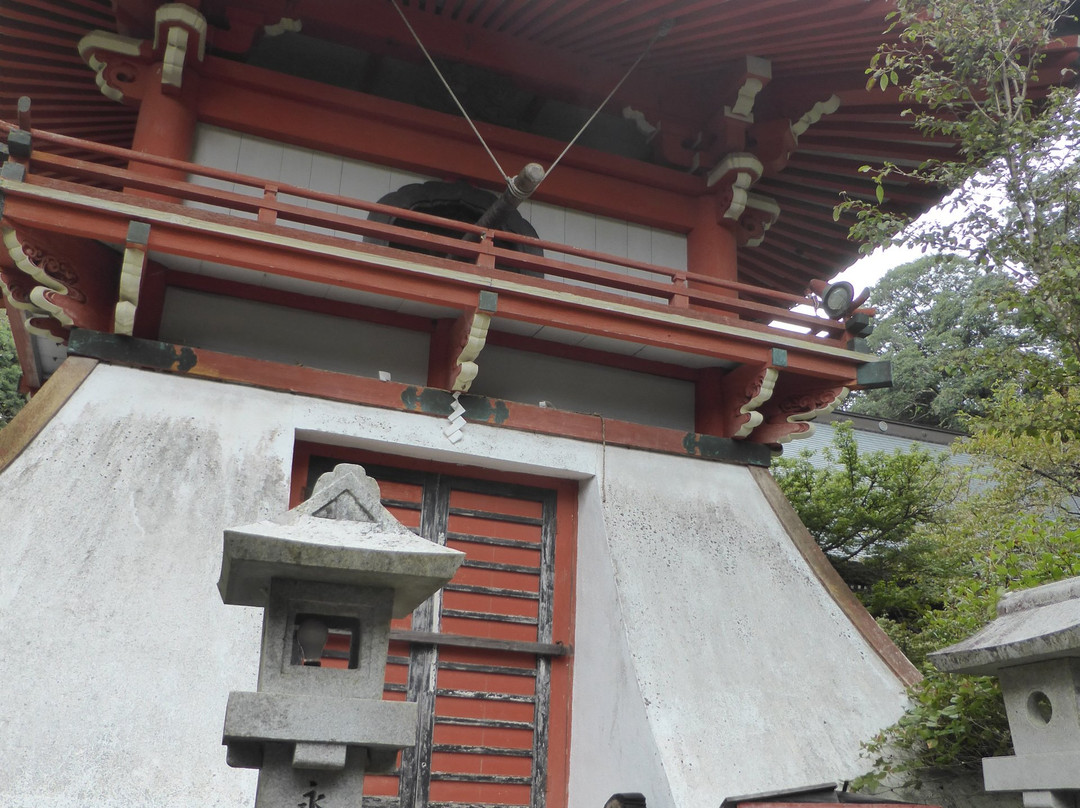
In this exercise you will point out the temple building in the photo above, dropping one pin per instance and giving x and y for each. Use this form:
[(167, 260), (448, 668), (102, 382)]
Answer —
[(247, 240)]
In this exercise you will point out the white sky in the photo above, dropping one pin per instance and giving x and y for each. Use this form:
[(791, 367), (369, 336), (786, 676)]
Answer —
[(868, 270)]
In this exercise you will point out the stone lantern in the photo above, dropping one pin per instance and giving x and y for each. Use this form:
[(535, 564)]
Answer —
[(1033, 647), (330, 574)]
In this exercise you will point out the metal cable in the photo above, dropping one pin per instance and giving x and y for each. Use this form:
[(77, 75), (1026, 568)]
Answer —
[(502, 172), (662, 31)]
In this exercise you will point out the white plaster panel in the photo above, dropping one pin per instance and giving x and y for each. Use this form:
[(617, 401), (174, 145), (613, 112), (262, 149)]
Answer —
[(295, 170), (325, 177), (216, 147), (582, 387), (260, 158), (668, 249), (549, 222), (752, 680), (581, 232), (612, 749), (292, 165), (296, 166), (611, 236), (708, 659), (639, 243), (293, 336), (110, 560)]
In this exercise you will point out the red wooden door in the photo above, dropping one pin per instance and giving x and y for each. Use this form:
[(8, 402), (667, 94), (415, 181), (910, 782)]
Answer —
[(488, 658)]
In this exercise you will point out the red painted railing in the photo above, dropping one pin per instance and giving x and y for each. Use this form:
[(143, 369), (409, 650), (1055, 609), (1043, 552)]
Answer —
[(646, 284)]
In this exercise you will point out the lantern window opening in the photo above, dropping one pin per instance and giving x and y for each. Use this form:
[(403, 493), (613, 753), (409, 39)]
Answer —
[(341, 648)]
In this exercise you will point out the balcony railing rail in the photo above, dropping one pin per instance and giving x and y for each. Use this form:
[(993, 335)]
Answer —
[(271, 203)]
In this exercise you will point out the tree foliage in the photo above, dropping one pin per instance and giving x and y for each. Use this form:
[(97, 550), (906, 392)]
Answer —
[(955, 721), (948, 327), (929, 549), (11, 400), (976, 72), (869, 512), (972, 72)]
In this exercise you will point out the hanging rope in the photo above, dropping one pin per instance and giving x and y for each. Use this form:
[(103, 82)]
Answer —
[(435, 67)]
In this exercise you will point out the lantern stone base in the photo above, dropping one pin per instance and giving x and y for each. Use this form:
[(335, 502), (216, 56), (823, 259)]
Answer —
[(1047, 772), (280, 784)]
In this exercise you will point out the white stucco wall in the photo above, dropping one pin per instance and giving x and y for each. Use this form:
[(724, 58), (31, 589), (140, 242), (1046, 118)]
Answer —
[(751, 678), (313, 339), (708, 661)]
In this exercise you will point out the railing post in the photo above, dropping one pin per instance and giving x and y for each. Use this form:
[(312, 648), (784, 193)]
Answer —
[(268, 215), (20, 141), (681, 298), (24, 113), (485, 256)]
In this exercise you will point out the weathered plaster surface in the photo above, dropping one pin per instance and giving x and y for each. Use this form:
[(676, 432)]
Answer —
[(752, 679), (708, 661), (111, 543)]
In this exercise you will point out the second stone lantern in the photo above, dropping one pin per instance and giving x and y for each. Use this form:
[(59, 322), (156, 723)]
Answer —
[(330, 574)]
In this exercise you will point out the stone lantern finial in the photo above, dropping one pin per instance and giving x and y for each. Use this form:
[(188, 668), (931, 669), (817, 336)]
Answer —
[(330, 574)]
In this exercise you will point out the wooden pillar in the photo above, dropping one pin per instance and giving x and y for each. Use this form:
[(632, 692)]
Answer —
[(711, 247), (166, 123)]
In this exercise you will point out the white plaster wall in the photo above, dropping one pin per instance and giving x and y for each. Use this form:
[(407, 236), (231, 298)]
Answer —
[(312, 339), (751, 678), (293, 336), (708, 661), (255, 156), (110, 554), (578, 386)]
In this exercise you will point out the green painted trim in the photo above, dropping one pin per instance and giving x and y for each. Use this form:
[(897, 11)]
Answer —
[(873, 375), (131, 351)]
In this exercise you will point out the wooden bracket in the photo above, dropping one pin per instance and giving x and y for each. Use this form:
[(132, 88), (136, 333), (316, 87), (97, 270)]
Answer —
[(788, 416), (733, 177), (122, 63), (456, 345), (819, 110), (726, 402), (752, 74), (131, 274), (776, 139), (774, 143), (61, 281), (759, 214)]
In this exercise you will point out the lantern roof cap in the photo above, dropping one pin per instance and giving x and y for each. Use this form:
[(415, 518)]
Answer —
[(1033, 625), (341, 535)]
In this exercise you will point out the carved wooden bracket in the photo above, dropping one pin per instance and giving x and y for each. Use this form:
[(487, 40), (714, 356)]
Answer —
[(815, 114), (788, 416), (62, 281), (774, 143), (123, 64), (760, 213), (775, 140), (753, 74), (131, 272), (696, 146), (732, 178), (726, 402), (456, 345)]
